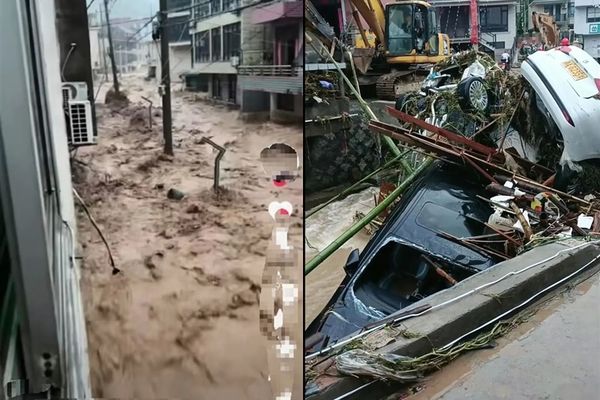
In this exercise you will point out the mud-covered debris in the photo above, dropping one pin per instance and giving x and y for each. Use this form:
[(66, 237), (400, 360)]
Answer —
[(159, 186), (175, 194), (247, 297), (116, 100), (165, 157), (149, 262), (193, 209), (167, 233)]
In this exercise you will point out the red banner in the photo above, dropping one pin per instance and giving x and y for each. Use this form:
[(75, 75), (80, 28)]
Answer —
[(474, 22)]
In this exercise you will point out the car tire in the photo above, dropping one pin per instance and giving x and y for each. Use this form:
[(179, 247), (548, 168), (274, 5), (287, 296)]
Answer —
[(473, 95)]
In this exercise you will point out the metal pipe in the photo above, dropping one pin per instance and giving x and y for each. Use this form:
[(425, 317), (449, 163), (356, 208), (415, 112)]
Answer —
[(149, 111), (344, 237), (217, 160), (347, 190)]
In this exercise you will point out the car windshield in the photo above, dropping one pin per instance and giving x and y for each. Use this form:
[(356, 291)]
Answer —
[(441, 219)]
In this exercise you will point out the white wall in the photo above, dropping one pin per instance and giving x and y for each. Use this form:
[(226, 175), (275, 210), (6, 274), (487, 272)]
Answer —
[(509, 36), (580, 24), (217, 20), (78, 372), (180, 60), (95, 50)]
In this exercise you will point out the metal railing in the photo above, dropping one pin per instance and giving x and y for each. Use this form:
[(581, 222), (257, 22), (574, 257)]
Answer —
[(488, 39), (268, 70)]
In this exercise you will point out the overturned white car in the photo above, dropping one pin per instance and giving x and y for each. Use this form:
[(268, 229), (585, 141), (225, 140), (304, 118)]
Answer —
[(567, 83)]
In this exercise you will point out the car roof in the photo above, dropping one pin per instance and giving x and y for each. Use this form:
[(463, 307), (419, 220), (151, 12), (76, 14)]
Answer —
[(556, 63), (438, 202)]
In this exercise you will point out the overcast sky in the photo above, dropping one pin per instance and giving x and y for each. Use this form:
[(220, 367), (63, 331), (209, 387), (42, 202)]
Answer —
[(134, 8)]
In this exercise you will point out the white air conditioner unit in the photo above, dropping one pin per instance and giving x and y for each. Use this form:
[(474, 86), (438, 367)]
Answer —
[(78, 114), (81, 130), (235, 61)]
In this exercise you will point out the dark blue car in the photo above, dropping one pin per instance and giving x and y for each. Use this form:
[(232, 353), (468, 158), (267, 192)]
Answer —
[(401, 264)]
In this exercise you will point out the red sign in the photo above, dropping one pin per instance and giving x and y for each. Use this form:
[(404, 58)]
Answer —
[(474, 22)]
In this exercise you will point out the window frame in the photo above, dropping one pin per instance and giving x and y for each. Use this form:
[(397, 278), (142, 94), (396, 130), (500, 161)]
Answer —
[(216, 48), (485, 26), (595, 18)]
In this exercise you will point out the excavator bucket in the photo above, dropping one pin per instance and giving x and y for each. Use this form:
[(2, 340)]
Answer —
[(362, 58)]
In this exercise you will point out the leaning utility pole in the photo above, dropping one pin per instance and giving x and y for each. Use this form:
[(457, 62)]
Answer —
[(166, 79), (110, 49)]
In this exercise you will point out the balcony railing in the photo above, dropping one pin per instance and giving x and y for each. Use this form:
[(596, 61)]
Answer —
[(268, 70)]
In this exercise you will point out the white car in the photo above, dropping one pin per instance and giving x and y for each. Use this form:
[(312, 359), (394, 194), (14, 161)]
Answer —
[(567, 81)]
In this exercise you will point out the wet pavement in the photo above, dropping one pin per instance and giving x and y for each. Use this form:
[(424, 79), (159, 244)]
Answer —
[(552, 356)]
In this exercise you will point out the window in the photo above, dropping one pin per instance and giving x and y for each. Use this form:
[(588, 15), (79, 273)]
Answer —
[(216, 44), (285, 102), (494, 18), (202, 10), (202, 47), (175, 4), (178, 29), (230, 4), (231, 40), (593, 14), (215, 6), (571, 8)]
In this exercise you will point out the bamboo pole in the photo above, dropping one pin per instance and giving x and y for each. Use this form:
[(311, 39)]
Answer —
[(349, 189), (344, 237)]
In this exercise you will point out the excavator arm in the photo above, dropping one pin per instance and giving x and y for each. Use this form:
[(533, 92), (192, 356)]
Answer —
[(373, 11), (546, 25)]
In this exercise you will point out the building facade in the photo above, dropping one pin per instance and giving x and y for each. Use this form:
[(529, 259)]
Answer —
[(180, 41), (587, 24), (215, 30), (497, 22), (272, 61)]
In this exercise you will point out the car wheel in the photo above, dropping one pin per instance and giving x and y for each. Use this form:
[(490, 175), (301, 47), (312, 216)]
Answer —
[(473, 95)]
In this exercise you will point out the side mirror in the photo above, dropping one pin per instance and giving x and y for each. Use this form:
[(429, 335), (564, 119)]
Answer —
[(352, 263)]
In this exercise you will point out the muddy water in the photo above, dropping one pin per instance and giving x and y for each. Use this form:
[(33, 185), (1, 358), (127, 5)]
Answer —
[(182, 318), (322, 228)]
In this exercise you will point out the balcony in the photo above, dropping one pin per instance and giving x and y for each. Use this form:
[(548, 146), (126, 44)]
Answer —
[(285, 79), (267, 70)]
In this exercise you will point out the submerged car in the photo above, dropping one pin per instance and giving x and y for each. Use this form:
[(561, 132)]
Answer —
[(401, 264)]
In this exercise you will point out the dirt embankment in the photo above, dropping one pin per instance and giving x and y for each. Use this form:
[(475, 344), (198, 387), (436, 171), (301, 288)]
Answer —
[(181, 319)]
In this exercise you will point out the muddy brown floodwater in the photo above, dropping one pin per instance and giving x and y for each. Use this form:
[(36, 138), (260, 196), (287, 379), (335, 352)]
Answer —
[(181, 320), (322, 228)]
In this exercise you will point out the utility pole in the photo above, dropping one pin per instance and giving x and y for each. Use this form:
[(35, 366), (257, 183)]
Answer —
[(166, 79), (110, 49)]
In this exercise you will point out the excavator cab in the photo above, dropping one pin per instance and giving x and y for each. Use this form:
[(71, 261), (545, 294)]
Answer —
[(411, 30)]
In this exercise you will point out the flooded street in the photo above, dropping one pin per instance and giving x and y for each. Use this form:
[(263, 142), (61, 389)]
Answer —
[(181, 320), (322, 228), (554, 355)]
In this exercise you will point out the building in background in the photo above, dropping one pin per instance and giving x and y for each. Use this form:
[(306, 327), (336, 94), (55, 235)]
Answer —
[(562, 11), (271, 67), (180, 41), (497, 23), (587, 24), (216, 39)]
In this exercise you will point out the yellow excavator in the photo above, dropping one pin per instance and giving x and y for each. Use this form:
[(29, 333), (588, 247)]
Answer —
[(401, 34)]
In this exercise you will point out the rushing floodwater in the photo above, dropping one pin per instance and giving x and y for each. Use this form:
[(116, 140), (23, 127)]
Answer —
[(323, 228)]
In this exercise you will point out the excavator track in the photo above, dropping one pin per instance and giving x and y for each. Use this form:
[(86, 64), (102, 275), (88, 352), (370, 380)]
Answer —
[(386, 84)]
